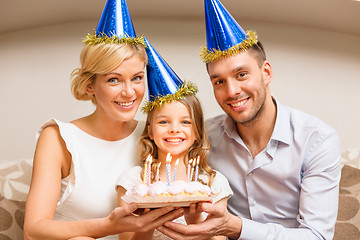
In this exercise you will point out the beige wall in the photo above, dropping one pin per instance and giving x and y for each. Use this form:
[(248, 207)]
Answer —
[(314, 70)]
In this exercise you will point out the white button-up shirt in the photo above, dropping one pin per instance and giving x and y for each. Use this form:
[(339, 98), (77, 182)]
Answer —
[(288, 191)]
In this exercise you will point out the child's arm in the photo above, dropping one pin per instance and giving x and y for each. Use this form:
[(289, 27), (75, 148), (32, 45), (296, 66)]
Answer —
[(131, 235)]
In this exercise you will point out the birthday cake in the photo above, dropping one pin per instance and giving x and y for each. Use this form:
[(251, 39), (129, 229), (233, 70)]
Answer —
[(158, 194)]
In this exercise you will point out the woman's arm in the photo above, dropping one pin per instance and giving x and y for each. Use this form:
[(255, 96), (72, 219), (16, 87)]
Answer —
[(52, 163)]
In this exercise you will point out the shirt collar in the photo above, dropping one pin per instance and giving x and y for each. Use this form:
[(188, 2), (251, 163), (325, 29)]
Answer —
[(282, 131)]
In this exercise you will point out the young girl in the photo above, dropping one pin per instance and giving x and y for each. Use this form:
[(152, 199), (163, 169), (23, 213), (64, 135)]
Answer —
[(175, 126)]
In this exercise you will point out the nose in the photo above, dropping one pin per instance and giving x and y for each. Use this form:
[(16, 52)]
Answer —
[(174, 128), (233, 88), (127, 90)]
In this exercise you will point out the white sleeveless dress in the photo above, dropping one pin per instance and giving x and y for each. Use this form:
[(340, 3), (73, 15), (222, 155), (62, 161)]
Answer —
[(89, 191)]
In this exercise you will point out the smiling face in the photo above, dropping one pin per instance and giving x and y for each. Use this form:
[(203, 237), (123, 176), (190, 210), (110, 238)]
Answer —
[(172, 130), (119, 93), (240, 85)]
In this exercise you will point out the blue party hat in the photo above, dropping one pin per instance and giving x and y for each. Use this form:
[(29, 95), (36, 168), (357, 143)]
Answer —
[(163, 83), (225, 37), (115, 26)]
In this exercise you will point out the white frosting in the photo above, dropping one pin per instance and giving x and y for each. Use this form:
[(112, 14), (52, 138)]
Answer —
[(159, 188)]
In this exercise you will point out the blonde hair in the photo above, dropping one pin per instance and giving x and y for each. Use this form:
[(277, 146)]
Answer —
[(100, 59), (200, 147)]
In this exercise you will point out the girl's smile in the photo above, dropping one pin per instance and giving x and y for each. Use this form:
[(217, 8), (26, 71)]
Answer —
[(172, 130)]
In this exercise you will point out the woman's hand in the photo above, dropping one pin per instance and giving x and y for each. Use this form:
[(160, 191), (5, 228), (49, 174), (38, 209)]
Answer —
[(123, 220)]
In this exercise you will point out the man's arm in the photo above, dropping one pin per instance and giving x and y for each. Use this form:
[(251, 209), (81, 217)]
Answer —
[(218, 223)]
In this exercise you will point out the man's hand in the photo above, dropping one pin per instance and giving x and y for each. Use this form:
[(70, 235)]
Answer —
[(218, 223)]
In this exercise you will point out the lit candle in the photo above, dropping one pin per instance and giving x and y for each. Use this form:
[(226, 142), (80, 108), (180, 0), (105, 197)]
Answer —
[(158, 172), (168, 161), (192, 169), (188, 170), (149, 171), (197, 169), (145, 178), (176, 164)]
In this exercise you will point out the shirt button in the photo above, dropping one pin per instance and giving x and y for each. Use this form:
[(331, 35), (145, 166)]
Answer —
[(250, 174)]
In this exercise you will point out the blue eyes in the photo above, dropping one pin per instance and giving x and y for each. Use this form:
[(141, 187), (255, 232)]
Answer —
[(116, 80), (185, 122), (138, 78)]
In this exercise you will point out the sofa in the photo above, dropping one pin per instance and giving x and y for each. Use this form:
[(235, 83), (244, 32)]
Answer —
[(15, 178)]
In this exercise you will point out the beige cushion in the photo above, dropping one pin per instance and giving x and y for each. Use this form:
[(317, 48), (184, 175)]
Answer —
[(12, 219), (15, 179), (348, 221), (351, 157)]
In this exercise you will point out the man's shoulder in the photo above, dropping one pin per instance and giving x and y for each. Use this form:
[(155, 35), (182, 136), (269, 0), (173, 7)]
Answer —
[(215, 122), (214, 125), (307, 120)]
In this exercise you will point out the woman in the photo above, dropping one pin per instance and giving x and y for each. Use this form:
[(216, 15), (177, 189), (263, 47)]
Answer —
[(72, 193)]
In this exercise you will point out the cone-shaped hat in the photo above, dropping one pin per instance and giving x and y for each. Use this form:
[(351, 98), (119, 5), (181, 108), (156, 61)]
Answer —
[(163, 83), (224, 35), (115, 25)]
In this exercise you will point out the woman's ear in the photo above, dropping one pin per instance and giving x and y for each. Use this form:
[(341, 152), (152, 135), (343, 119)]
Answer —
[(90, 90)]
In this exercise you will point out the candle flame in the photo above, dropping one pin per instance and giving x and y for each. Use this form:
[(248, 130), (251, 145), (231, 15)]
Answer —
[(198, 160), (159, 165), (148, 158), (177, 162), (168, 158), (194, 163)]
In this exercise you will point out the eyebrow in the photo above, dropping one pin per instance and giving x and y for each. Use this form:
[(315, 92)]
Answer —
[(239, 68), (166, 116), (119, 74)]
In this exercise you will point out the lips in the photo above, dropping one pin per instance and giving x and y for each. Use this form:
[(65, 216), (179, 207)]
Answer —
[(174, 140), (125, 104), (239, 104)]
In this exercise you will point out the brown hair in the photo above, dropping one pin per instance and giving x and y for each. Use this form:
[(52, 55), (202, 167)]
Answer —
[(100, 59), (258, 51), (200, 147)]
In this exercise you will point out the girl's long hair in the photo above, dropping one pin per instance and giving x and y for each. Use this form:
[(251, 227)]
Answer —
[(200, 148)]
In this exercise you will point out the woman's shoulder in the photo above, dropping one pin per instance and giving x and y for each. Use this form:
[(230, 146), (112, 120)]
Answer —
[(49, 128)]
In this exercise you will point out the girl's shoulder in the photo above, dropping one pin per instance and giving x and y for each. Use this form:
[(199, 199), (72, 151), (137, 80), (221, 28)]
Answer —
[(130, 177)]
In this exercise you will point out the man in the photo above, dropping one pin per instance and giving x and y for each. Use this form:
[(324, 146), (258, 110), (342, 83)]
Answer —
[(282, 164)]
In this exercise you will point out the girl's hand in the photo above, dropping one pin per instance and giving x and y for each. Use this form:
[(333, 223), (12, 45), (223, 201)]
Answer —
[(193, 214)]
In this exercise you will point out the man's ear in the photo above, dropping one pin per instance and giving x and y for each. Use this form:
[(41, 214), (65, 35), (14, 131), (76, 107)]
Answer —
[(267, 72)]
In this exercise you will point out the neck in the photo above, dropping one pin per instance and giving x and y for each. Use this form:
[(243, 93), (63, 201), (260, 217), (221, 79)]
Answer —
[(107, 128), (257, 133)]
